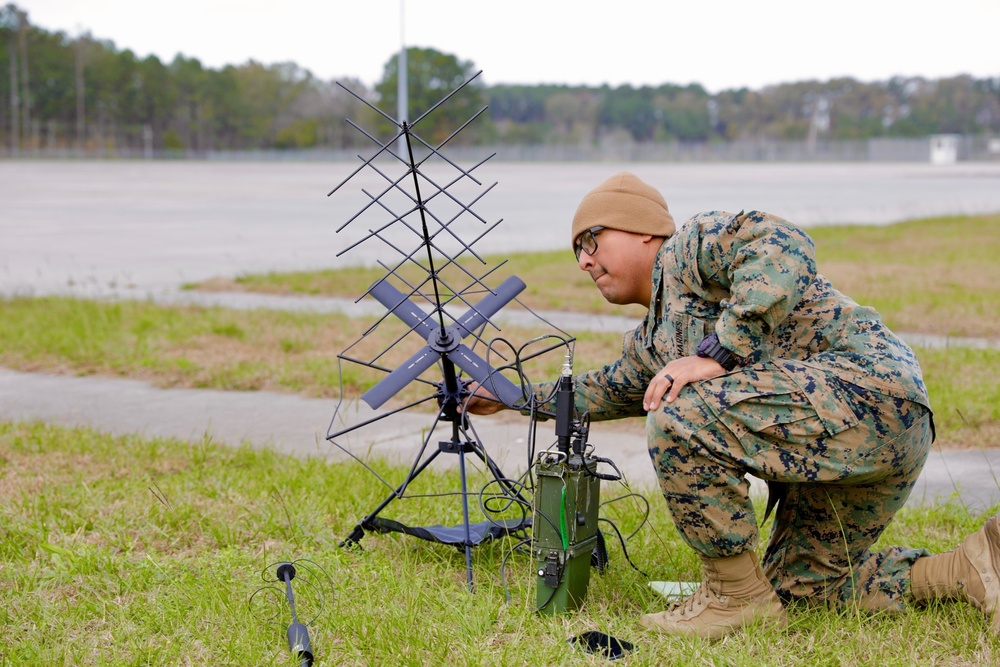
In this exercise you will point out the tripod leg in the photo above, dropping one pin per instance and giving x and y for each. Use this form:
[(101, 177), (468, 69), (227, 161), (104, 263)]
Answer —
[(465, 514), (354, 539)]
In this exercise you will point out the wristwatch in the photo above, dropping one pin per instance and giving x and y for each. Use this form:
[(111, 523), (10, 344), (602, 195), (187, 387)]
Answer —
[(712, 348)]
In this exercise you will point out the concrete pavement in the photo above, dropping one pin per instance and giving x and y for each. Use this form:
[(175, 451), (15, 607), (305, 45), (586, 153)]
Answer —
[(298, 426), (111, 227)]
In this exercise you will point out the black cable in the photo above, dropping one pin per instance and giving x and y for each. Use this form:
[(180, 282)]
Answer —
[(503, 566), (485, 500), (599, 557), (600, 475), (551, 597), (624, 548), (645, 513)]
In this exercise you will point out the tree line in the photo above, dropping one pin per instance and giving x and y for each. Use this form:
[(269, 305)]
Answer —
[(58, 91)]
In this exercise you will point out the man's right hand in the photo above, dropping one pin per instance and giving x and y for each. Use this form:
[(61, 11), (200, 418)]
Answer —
[(482, 402)]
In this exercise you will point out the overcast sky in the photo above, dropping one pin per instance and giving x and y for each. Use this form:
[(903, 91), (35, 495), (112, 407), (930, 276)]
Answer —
[(720, 44)]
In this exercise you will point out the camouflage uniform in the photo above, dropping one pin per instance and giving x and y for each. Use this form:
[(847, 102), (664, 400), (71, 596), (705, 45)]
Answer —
[(829, 408)]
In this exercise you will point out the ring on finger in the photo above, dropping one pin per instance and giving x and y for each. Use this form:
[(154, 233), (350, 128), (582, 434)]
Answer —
[(668, 376)]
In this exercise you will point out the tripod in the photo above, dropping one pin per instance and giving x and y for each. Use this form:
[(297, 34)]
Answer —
[(450, 394), (444, 345)]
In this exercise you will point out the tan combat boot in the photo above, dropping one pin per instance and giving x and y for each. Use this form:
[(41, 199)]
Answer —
[(971, 572), (733, 593)]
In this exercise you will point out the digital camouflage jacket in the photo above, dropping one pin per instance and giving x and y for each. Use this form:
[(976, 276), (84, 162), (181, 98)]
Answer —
[(752, 279)]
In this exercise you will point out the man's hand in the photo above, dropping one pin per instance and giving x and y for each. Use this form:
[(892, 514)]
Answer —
[(675, 375), (482, 402)]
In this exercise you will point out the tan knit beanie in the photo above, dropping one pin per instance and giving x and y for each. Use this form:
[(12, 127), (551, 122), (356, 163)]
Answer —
[(624, 202)]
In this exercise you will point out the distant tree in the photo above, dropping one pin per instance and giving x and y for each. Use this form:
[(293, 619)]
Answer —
[(518, 104), (227, 112), (331, 106), (52, 98), (683, 113), (266, 93), (988, 111), (952, 107), (631, 109), (431, 75), (543, 114), (572, 115), (725, 112), (190, 111), (10, 82), (157, 97)]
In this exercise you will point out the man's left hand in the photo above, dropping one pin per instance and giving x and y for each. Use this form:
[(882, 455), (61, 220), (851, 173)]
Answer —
[(675, 375)]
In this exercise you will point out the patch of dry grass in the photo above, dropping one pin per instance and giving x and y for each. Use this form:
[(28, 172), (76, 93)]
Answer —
[(937, 276)]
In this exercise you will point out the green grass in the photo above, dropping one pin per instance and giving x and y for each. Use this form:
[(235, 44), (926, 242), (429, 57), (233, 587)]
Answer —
[(129, 551), (219, 348), (963, 387), (178, 346)]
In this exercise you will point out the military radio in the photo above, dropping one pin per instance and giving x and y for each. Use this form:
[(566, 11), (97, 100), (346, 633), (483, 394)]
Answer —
[(567, 499)]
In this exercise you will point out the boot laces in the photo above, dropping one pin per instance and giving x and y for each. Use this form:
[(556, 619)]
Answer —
[(695, 603)]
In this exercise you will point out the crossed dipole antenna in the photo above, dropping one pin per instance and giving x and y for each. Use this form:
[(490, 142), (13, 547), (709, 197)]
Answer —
[(424, 215), (432, 249)]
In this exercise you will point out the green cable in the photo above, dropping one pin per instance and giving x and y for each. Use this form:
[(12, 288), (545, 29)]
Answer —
[(562, 520)]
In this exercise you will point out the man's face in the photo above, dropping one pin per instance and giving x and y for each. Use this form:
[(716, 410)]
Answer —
[(617, 266)]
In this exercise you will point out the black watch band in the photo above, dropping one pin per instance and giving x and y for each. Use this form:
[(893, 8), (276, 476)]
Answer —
[(712, 348)]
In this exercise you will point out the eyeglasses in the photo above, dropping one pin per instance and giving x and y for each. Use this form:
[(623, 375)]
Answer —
[(586, 242)]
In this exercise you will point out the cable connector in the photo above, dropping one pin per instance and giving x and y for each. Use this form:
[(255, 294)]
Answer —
[(567, 367)]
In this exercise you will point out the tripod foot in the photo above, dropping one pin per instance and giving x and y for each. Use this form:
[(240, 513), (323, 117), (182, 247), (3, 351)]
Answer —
[(353, 541)]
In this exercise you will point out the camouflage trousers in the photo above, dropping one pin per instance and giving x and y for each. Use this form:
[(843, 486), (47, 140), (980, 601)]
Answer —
[(843, 457)]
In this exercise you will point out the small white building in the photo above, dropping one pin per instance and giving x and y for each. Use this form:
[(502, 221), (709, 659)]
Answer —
[(944, 148)]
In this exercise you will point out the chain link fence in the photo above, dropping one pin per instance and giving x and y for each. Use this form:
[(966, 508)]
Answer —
[(50, 140)]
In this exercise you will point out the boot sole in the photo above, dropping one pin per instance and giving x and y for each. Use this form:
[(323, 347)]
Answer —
[(993, 585), (772, 615), (983, 552)]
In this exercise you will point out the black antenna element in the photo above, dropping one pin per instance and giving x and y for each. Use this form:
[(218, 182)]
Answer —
[(278, 580), (298, 634), (424, 287), (444, 343)]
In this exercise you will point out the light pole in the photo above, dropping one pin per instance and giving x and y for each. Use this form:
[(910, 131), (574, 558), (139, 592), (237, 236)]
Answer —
[(401, 97)]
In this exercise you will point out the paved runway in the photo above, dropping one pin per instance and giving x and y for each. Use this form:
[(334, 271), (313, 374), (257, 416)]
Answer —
[(141, 227)]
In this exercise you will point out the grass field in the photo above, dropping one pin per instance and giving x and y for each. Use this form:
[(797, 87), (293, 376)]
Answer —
[(127, 551), (131, 551)]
